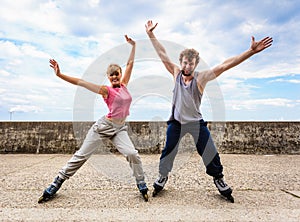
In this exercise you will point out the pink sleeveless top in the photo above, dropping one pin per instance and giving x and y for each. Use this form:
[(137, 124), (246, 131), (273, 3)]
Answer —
[(118, 102)]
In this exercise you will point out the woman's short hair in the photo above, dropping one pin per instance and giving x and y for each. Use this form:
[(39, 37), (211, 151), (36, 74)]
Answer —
[(112, 68)]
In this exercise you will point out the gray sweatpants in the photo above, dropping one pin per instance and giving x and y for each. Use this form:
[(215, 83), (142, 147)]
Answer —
[(118, 134)]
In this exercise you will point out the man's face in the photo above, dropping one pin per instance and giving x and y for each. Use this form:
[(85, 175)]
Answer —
[(188, 65)]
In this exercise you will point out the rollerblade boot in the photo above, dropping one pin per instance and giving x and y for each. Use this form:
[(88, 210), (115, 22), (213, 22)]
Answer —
[(51, 190), (223, 188), (144, 190), (159, 184)]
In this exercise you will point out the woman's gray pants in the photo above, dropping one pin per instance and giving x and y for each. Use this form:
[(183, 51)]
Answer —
[(118, 134)]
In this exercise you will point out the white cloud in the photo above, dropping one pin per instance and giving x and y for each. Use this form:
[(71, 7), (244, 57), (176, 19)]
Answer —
[(32, 15), (4, 73), (257, 103), (235, 88), (16, 54), (295, 81), (29, 50), (12, 98), (9, 49), (253, 26), (25, 109)]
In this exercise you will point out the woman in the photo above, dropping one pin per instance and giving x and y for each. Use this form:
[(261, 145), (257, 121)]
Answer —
[(111, 126)]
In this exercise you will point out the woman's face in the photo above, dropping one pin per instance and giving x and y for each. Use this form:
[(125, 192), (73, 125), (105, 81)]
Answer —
[(115, 78)]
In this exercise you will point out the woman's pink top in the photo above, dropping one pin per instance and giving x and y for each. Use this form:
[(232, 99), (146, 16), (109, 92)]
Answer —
[(118, 102)]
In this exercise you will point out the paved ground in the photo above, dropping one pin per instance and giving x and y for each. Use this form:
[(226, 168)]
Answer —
[(266, 188)]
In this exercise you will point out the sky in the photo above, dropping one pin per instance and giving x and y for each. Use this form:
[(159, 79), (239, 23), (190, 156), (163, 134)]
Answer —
[(85, 36)]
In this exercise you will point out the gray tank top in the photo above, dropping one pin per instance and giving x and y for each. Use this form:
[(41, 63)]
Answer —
[(186, 101)]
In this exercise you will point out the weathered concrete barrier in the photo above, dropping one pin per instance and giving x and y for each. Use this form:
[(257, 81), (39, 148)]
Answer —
[(149, 137)]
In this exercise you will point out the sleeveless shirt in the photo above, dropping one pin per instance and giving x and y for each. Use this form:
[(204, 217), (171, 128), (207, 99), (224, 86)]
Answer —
[(118, 102), (186, 100)]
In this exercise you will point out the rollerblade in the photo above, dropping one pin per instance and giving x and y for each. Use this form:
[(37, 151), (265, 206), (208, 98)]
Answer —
[(224, 189), (51, 190), (159, 184), (144, 190)]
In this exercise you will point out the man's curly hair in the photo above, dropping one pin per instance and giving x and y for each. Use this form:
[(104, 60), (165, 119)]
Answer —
[(189, 54)]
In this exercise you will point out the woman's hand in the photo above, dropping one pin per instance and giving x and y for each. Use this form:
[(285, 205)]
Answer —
[(129, 40), (55, 66)]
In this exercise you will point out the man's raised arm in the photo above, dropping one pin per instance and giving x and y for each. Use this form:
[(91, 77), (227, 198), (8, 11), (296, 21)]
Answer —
[(161, 51)]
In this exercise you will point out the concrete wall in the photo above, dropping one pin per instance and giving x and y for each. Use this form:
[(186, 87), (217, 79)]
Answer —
[(149, 137)]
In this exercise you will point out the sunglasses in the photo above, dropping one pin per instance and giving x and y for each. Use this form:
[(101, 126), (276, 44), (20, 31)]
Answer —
[(115, 73)]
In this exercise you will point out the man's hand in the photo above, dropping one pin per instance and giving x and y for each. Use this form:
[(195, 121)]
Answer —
[(150, 27), (261, 45)]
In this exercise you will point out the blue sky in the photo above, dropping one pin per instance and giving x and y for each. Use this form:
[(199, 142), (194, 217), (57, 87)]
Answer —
[(79, 33)]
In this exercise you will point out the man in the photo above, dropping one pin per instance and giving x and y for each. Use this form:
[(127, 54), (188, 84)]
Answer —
[(186, 116)]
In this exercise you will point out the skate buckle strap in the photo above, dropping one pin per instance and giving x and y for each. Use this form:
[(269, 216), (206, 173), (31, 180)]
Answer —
[(221, 185)]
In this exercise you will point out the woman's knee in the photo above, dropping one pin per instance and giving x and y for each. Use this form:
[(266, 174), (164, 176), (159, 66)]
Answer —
[(133, 157)]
